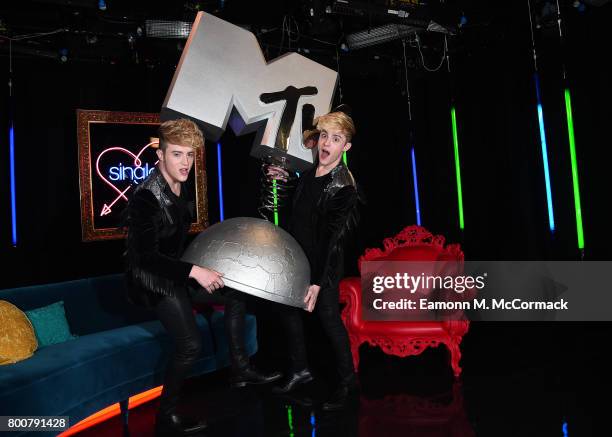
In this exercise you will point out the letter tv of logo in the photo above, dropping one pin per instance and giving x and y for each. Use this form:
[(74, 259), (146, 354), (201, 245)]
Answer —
[(223, 77)]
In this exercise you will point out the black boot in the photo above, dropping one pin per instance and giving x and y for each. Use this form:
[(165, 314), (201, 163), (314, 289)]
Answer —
[(292, 381), (172, 425), (235, 313), (249, 375), (347, 394)]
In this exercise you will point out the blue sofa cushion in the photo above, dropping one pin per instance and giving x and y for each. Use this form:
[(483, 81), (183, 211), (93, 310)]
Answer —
[(50, 324)]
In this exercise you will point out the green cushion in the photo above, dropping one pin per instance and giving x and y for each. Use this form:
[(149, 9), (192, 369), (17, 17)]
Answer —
[(50, 324)]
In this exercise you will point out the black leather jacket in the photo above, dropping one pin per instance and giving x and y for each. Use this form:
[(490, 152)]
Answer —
[(335, 215), (157, 221)]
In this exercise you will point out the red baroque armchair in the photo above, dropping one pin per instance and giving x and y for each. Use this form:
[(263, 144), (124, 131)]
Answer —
[(403, 338)]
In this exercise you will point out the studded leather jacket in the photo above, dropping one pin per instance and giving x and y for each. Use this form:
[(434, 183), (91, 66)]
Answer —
[(335, 216), (157, 221)]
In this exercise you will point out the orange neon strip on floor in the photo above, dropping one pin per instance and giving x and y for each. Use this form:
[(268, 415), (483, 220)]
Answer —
[(112, 411)]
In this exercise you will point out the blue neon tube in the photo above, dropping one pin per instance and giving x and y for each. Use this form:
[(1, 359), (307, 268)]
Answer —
[(220, 178), (416, 188), (13, 192), (551, 216)]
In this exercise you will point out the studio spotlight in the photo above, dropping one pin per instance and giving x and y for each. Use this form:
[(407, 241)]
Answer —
[(167, 29), (379, 35), (102, 5)]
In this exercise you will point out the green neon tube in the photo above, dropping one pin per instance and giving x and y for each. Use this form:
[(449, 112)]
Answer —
[(457, 168), (290, 419), (275, 202), (574, 161)]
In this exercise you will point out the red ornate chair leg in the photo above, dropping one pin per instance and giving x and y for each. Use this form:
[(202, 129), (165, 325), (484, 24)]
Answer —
[(455, 357), (355, 343)]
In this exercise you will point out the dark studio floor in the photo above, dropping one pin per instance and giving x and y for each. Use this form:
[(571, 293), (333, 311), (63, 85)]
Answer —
[(518, 380)]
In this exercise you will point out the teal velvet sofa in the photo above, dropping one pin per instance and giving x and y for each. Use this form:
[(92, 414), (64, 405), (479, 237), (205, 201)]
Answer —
[(120, 351)]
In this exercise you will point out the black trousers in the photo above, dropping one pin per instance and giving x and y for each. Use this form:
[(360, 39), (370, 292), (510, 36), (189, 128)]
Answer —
[(327, 310), (176, 314)]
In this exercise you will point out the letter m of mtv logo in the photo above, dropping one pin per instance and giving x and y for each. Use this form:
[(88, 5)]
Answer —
[(223, 78)]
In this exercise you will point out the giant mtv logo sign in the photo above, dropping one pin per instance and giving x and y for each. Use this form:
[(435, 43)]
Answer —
[(223, 78)]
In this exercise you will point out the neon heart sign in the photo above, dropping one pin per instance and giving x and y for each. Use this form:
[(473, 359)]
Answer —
[(118, 173)]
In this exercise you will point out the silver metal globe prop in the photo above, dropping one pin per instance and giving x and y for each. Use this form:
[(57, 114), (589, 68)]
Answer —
[(255, 257)]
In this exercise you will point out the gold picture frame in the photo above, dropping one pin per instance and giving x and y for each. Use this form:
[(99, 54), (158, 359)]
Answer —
[(97, 189)]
